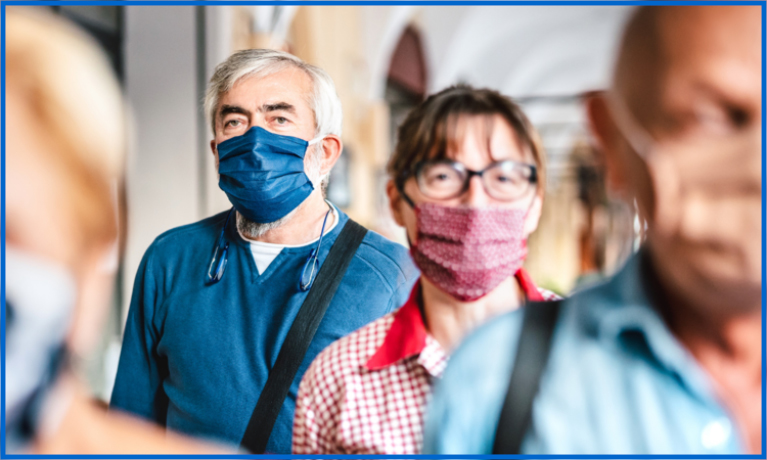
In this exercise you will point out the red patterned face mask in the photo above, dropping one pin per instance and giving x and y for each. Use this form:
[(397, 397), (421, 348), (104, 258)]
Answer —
[(468, 252)]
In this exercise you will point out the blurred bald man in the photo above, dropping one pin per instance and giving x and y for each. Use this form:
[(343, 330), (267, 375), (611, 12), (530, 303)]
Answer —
[(664, 358)]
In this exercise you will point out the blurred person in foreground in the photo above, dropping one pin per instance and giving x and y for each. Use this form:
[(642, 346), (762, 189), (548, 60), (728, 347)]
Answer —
[(664, 358), (216, 345), (64, 156), (467, 183)]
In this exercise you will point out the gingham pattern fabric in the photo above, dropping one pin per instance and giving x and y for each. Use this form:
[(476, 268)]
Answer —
[(467, 252), (367, 392)]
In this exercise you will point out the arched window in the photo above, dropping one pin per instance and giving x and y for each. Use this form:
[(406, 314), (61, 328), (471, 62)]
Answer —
[(407, 78)]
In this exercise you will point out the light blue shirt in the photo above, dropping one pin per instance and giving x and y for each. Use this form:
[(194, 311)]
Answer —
[(617, 382)]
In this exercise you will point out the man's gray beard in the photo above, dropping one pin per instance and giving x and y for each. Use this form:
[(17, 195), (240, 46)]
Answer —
[(255, 230)]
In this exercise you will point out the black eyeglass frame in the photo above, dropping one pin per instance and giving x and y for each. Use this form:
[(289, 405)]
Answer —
[(469, 173)]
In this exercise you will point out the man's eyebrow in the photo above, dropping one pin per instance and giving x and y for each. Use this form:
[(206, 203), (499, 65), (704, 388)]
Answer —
[(278, 106), (227, 109)]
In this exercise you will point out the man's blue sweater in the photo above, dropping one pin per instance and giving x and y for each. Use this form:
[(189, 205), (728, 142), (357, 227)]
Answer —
[(196, 357)]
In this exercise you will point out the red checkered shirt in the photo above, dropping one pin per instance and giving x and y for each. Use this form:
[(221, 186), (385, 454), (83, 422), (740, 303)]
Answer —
[(366, 393)]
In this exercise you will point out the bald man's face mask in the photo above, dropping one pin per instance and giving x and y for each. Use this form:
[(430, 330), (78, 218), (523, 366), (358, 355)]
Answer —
[(704, 221)]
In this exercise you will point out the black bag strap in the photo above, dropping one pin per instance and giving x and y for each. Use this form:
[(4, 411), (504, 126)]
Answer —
[(532, 355), (299, 337)]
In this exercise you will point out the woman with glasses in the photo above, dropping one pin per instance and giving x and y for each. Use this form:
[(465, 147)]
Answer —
[(467, 180)]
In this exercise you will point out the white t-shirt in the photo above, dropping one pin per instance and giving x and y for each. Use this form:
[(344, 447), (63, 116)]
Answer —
[(265, 253)]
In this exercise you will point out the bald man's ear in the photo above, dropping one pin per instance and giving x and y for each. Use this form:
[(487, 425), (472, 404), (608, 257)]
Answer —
[(609, 142)]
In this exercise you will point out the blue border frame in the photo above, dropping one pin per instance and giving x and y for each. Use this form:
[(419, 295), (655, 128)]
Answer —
[(4, 3), (385, 457), (764, 221), (2, 227), (383, 2)]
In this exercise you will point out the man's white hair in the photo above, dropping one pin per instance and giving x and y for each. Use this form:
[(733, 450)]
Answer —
[(324, 100)]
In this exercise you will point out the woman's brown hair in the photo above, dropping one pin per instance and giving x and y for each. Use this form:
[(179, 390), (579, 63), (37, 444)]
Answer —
[(432, 127)]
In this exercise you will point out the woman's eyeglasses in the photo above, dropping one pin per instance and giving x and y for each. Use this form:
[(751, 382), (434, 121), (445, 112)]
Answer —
[(505, 180)]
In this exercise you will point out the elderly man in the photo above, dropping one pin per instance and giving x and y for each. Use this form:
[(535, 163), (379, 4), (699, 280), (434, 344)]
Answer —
[(224, 311), (665, 357)]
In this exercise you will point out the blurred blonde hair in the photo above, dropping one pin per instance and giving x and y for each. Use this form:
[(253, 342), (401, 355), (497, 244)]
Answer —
[(65, 81)]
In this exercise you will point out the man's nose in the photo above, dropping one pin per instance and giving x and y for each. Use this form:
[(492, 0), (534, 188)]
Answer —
[(476, 195), (257, 121)]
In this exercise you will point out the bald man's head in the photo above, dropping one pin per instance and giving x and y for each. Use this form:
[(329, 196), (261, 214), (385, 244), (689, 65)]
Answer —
[(663, 46), (638, 58), (681, 134)]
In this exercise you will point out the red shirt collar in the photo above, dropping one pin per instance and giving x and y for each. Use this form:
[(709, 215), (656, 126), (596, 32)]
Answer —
[(528, 286), (407, 334)]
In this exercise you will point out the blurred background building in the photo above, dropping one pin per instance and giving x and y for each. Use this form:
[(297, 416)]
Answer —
[(384, 60)]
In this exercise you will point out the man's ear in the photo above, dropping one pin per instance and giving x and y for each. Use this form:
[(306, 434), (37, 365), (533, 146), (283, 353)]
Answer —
[(395, 202), (214, 150), (331, 152), (533, 215), (609, 142)]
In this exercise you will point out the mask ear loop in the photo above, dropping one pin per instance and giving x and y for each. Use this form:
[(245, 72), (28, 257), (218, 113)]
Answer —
[(662, 175), (409, 201), (316, 139), (401, 190), (404, 196), (400, 183)]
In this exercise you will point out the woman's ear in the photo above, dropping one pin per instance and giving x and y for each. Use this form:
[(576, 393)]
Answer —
[(533, 215), (395, 203), (332, 146)]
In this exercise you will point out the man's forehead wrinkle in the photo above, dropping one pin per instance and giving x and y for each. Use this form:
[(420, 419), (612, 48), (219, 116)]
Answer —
[(308, 95), (298, 78)]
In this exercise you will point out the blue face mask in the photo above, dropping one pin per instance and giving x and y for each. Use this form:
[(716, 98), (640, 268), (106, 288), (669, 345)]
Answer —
[(262, 174)]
